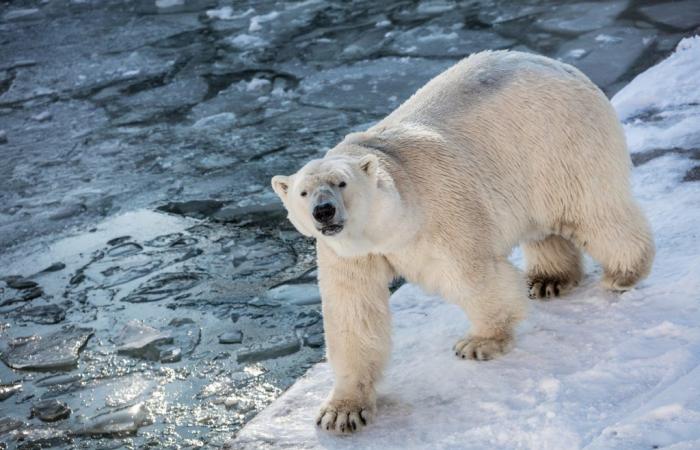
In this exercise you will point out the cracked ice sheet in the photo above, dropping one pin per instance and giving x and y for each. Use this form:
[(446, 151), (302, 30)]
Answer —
[(592, 370)]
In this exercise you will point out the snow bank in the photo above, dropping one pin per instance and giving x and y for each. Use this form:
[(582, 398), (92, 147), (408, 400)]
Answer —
[(660, 106), (669, 85), (592, 370)]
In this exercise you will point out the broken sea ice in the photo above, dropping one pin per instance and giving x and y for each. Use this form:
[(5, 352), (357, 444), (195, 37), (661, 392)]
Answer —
[(55, 351)]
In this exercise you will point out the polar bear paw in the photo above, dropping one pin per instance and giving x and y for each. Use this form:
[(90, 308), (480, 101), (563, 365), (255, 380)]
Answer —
[(546, 287), (344, 416), (482, 348)]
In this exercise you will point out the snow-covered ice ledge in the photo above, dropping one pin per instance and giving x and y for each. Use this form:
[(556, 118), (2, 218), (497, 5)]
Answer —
[(592, 370)]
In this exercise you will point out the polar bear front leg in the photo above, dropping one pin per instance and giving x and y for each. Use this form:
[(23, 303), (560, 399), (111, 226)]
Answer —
[(357, 325), (494, 300)]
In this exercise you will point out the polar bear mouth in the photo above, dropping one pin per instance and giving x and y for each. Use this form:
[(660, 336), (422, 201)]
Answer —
[(330, 230)]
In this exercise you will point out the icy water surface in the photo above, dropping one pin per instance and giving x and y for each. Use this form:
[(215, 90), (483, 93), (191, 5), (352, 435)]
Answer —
[(152, 293)]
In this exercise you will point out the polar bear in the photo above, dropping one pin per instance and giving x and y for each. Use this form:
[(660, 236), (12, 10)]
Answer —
[(504, 148)]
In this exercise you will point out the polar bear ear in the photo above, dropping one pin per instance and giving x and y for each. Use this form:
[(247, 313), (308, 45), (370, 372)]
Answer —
[(280, 184), (369, 164)]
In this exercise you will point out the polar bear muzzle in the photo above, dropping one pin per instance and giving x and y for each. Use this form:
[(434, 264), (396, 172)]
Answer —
[(326, 215)]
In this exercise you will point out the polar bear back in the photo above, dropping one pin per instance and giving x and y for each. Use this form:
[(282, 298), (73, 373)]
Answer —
[(505, 141)]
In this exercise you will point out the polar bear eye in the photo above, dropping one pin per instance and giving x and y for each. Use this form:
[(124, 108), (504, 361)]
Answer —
[(303, 193), (342, 184)]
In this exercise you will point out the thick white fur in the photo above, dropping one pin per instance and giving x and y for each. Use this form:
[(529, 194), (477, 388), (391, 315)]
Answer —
[(502, 149)]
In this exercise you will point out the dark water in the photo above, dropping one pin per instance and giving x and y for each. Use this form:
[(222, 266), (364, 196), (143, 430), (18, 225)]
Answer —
[(148, 131)]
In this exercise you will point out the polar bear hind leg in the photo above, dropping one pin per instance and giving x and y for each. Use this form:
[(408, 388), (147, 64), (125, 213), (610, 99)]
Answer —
[(620, 239), (553, 266)]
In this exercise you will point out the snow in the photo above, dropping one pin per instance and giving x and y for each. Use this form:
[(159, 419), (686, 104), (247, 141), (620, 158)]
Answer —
[(606, 38), (669, 94), (257, 20), (665, 86), (576, 53), (247, 42), (223, 13), (593, 370), (257, 84)]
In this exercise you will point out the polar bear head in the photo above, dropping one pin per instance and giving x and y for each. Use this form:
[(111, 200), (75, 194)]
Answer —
[(330, 198)]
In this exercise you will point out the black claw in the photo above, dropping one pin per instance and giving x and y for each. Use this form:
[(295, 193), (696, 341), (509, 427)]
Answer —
[(543, 290), (463, 356), (353, 425), (364, 422), (556, 290)]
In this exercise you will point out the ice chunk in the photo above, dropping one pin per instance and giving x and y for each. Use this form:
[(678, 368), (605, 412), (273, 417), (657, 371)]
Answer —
[(169, 3), (8, 424), (581, 17), (170, 354), (217, 122), (247, 42), (54, 351), (125, 249), (21, 14), (435, 7), (180, 6), (307, 318), (141, 341), (186, 334), (433, 40), (682, 15), (231, 337), (50, 410), (315, 340), (257, 213), (25, 294), (164, 285), (296, 294), (268, 351), (55, 267), (611, 52), (123, 421), (257, 20), (159, 102), (223, 13), (357, 86), (20, 283), (68, 211), (502, 12), (42, 116), (44, 314), (8, 390)]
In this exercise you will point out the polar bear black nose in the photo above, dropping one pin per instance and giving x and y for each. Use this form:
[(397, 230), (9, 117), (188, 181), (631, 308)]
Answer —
[(324, 212)]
